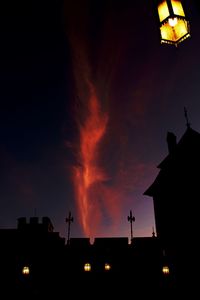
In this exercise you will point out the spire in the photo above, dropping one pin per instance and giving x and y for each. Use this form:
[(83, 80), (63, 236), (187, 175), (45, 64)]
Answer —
[(186, 117), (131, 219), (68, 220)]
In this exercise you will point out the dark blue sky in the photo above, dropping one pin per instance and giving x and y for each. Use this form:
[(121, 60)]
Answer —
[(48, 53)]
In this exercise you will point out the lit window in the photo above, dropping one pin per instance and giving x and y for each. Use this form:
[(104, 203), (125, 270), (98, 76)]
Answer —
[(107, 267), (87, 267), (165, 270), (25, 270)]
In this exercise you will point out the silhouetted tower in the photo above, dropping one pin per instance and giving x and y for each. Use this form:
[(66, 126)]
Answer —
[(68, 220), (131, 219)]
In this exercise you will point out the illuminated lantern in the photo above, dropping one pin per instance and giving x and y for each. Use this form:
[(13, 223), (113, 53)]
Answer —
[(174, 27)]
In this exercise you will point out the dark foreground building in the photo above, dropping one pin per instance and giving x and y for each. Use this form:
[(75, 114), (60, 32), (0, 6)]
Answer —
[(36, 263), (176, 196), (29, 257)]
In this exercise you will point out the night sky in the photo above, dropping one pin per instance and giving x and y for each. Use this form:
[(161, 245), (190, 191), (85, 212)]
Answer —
[(88, 95)]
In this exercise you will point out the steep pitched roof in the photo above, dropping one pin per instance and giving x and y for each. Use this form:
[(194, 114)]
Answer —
[(189, 142), (186, 150)]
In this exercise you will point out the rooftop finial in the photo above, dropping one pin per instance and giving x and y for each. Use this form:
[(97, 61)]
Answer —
[(186, 117), (153, 232), (68, 220), (131, 219)]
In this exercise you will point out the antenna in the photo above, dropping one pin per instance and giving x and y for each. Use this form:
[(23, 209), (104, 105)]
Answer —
[(186, 117)]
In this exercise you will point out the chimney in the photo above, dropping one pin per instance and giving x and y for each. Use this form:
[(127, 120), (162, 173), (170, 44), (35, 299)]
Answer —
[(171, 141)]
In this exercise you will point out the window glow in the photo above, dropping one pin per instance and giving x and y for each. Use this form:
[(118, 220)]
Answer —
[(107, 267), (165, 270), (87, 267), (25, 270)]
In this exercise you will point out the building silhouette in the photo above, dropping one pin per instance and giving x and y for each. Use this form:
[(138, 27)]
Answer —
[(36, 263), (29, 257), (176, 194)]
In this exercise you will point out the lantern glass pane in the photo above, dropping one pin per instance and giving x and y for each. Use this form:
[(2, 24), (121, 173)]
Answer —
[(176, 33), (181, 29), (167, 33), (177, 8), (163, 11)]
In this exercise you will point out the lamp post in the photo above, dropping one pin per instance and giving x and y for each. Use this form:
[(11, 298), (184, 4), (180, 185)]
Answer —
[(174, 26)]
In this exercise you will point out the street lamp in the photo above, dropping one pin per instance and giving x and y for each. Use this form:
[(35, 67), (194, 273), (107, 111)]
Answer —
[(174, 26)]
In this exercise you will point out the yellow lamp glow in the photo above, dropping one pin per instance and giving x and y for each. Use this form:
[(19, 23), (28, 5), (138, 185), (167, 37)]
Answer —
[(174, 27), (165, 270), (107, 267), (87, 267), (26, 270), (172, 22)]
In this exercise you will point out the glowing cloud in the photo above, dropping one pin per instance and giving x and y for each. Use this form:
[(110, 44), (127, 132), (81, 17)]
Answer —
[(110, 111), (89, 173)]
